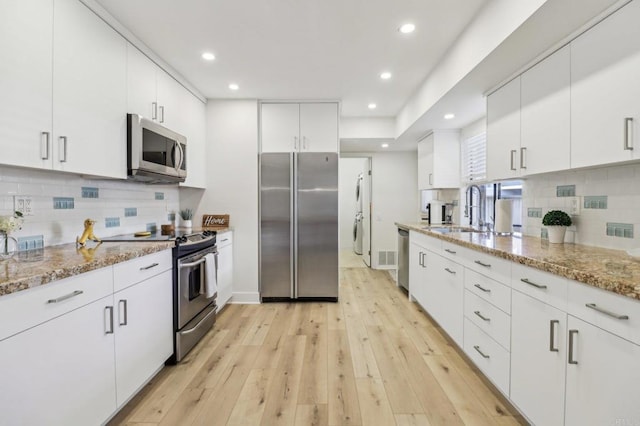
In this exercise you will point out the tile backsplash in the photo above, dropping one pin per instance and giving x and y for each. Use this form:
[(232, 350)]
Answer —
[(609, 200), (62, 202)]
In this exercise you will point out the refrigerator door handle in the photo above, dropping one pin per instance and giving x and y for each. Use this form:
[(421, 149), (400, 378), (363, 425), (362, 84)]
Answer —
[(294, 225)]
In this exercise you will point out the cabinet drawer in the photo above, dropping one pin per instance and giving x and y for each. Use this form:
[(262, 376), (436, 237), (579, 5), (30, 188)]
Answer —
[(224, 239), (135, 270), (490, 290), (487, 317), (425, 241), (546, 287), (605, 310), (450, 271), (491, 266), (29, 308), (455, 252), (488, 355)]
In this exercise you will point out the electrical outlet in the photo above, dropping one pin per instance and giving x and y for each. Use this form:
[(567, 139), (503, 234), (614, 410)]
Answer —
[(574, 206), (23, 204)]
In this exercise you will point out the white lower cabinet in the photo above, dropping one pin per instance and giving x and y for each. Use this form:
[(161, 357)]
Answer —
[(444, 294), (143, 332), (60, 372), (487, 354), (417, 265), (603, 372), (538, 359), (225, 268)]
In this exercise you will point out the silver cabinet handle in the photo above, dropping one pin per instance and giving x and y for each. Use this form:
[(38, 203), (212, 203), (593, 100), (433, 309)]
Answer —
[(486, 290), (154, 110), (540, 286), (44, 145), (153, 265), (63, 149), (552, 335), (481, 316), (606, 312), (123, 303), (65, 297), (295, 142), (162, 113), (477, 348), (522, 162), (430, 178), (486, 265), (571, 334), (628, 121), (421, 261), (450, 251), (226, 239), (108, 323), (512, 154), (450, 271)]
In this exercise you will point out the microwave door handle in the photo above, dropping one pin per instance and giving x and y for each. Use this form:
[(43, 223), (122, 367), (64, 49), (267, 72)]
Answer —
[(181, 155), (178, 164)]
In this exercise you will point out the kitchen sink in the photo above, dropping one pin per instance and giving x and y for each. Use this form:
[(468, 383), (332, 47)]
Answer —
[(448, 229)]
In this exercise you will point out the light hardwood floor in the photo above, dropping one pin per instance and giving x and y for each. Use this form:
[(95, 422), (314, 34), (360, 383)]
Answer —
[(374, 358)]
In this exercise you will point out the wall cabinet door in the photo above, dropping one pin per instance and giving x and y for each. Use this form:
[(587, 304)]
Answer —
[(319, 127), (538, 359), (144, 332), (25, 82), (170, 95), (545, 113), (195, 132), (141, 84), (439, 160), (605, 64), (602, 382), (225, 270), (425, 163), (89, 93), (280, 127), (503, 132), (60, 372)]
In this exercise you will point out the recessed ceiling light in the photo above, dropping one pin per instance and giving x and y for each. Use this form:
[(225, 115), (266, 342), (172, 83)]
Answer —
[(407, 28), (208, 56), (234, 86), (372, 106), (385, 75), (385, 145), (449, 116)]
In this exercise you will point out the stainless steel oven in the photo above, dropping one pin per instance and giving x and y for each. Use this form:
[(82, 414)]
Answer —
[(194, 312)]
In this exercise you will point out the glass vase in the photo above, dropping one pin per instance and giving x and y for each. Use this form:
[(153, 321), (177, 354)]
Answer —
[(8, 245)]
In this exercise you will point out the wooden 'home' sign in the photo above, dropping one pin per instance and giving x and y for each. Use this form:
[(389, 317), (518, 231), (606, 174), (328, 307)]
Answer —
[(215, 221)]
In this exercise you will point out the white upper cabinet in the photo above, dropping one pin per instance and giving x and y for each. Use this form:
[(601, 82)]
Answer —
[(194, 130), (545, 115), (89, 93), (142, 96), (319, 127), (25, 82), (288, 127), (503, 132), (439, 160), (605, 94)]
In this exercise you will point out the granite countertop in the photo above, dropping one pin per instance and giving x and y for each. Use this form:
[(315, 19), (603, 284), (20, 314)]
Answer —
[(608, 269), (38, 267)]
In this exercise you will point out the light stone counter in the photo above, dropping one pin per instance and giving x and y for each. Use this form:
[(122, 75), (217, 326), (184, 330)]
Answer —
[(612, 270), (38, 267)]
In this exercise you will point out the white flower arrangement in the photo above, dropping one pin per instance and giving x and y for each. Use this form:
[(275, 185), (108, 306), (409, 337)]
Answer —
[(9, 224)]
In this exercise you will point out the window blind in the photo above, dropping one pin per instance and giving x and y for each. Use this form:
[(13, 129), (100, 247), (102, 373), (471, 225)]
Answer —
[(474, 158)]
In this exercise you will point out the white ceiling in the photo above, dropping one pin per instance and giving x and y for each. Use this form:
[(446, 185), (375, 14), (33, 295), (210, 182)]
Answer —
[(300, 49)]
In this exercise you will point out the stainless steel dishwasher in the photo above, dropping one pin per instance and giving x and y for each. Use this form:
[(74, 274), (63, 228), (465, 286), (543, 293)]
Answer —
[(403, 258)]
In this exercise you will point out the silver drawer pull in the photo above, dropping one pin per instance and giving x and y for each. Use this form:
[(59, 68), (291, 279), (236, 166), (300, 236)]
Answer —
[(486, 290), (571, 339), (450, 251), (226, 239), (486, 265), (65, 297), (477, 348), (526, 281), (153, 265), (604, 311), (481, 316), (450, 271)]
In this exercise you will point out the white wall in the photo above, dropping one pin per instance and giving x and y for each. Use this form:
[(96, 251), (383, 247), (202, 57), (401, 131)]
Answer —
[(350, 168), (367, 128), (60, 226), (394, 197), (232, 185)]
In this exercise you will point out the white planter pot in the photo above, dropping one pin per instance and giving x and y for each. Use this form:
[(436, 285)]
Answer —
[(556, 234), (187, 223)]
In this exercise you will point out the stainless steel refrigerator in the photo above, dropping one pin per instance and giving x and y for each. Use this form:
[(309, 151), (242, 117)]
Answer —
[(299, 226)]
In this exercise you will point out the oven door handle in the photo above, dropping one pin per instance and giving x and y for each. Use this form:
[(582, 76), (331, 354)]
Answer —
[(192, 264)]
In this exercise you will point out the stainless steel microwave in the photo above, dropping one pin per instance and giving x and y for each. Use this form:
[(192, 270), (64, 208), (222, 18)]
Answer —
[(155, 154)]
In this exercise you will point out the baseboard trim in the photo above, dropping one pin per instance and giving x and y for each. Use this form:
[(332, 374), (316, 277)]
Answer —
[(245, 298)]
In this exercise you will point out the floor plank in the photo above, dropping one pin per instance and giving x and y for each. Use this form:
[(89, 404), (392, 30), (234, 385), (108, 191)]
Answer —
[(344, 408), (311, 415)]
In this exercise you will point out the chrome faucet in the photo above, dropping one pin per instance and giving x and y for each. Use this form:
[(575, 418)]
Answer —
[(470, 208)]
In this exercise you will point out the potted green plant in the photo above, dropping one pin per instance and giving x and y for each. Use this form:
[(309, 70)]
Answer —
[(187, 216), (556, 222)]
